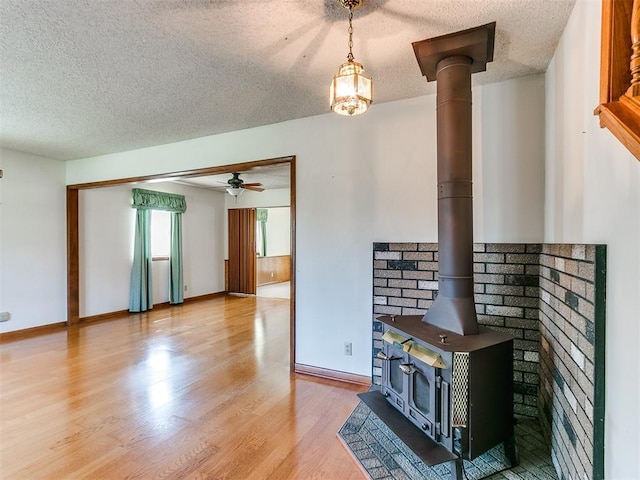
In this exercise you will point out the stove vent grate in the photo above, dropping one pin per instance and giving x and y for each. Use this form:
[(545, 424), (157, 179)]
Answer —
[(460, 389)]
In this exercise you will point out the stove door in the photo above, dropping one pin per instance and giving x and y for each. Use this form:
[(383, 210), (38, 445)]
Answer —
[(423, 397), (395, 384)]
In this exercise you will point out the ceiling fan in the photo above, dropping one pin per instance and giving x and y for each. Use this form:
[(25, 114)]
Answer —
[(237, 186)]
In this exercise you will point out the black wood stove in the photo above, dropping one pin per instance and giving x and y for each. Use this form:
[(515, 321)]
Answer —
[(457, 390), (447, 384)]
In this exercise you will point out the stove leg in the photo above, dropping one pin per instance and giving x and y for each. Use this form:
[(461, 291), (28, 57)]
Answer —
[(511, 451), (456, 469)]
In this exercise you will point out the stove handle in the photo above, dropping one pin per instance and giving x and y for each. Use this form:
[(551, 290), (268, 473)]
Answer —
[(445, 426), (383, 356), (407, 368)]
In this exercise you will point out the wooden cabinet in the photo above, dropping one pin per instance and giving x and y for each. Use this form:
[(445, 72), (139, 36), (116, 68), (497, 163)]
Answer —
[(619, 108)]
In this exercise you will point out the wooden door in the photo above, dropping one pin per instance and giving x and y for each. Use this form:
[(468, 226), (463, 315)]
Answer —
[(242, 250)]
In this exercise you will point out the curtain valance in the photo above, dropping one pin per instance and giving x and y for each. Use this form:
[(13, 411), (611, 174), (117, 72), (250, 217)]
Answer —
[(262, 214), (151, 200)]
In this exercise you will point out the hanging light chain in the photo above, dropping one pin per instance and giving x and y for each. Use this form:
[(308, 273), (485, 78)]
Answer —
[(350, 55), (350, 5)]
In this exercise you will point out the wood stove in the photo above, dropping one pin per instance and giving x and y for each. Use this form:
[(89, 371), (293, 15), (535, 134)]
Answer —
[(455, 389), (447, 383)]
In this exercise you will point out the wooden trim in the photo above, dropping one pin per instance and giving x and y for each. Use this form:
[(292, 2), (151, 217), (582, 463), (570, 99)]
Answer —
[(206, 296), (105, 316), (33, 332), (158, 306), (615, 75), (198, 172), (615, 52), (55, 327), (292, 296), (332, 374), (621, 121), (101, 317), (73, 258), (226, 274)]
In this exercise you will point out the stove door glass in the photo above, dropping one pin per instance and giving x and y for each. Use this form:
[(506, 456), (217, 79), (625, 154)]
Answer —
[(422, 393), (396, 377)]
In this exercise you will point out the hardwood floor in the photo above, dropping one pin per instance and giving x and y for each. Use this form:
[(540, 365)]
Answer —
[(191, 392)]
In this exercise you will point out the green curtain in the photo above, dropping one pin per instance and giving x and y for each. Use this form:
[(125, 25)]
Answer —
[(176, 290), (261, 216), (140, 297), (149, 199)]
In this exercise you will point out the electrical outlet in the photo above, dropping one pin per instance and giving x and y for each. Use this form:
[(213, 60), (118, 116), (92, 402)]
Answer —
[(347, 348), (5, 316), (186, 288)]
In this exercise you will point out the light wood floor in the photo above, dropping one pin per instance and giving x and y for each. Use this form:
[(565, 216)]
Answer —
[(191, 392)]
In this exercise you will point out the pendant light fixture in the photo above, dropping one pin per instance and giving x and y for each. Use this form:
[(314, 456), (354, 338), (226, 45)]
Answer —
[(351, 91)]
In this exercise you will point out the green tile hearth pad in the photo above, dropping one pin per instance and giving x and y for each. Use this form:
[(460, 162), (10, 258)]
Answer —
[(383, 456)]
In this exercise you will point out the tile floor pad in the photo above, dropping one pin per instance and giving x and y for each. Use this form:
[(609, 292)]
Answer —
[(383, 456)]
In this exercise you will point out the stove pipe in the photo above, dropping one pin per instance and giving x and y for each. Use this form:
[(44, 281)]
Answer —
[(451, 59)]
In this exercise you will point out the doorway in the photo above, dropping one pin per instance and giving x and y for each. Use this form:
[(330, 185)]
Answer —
[(73, 227), (274, 252)]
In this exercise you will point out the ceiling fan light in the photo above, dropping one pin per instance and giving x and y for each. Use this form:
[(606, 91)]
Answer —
[(235, 191), (351, 91)]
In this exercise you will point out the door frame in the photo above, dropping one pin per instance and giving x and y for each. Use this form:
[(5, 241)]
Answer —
[(73, 227)]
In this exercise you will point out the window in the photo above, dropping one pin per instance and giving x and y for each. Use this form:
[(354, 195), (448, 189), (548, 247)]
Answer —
[(160, 234), (259, 241)]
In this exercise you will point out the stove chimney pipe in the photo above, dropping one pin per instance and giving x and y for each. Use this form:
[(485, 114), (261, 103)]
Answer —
[(451, 59)]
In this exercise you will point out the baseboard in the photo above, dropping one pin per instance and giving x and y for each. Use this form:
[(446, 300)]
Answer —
[(101, 317), (207, 296), (332, 374), (32, 332), (157, 306), (104, 316)]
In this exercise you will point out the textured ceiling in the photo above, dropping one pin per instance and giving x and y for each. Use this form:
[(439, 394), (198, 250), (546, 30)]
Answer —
[(87, 77)]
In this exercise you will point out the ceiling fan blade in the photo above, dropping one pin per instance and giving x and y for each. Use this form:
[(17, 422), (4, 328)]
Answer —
[(254, 184), (253, 187)]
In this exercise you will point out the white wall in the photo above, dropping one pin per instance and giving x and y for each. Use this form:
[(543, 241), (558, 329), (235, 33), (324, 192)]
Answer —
[(514, 187), (32, 241), (106, 240), (278, 231), (105, 236), (593, 196), (367, 179)]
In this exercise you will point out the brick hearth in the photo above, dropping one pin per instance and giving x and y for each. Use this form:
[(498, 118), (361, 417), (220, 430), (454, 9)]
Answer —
[(551, 299)]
